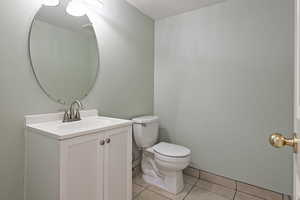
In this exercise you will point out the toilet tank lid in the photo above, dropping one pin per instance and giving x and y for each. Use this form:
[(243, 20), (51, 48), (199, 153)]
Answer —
[(145, 119)]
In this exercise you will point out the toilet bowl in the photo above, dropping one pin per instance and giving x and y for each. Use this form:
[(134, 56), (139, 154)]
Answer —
[(163, 168), (162, 163)]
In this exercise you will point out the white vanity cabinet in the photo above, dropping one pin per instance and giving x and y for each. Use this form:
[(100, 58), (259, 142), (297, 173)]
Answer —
[(96, 167), (82, 168), (93, 166)]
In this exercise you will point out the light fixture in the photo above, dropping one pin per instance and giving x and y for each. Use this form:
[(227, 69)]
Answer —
[(76, 8), (95, 3), (51, 2)]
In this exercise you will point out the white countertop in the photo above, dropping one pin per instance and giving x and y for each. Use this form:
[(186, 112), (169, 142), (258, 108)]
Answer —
[(49, 125)]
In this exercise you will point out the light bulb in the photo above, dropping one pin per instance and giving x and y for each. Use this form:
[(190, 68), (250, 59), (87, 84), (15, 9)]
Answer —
[(76, 8), (51, 2)]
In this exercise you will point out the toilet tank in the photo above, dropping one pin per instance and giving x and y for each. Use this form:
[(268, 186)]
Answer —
[(145, 130)]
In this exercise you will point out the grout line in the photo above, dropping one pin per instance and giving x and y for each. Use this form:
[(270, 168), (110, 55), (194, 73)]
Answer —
[(139, 193), (193, 186), (258, 187), (234, 195), (145, 187), (149, 189), (236, 185), (158, 193), (218, 184), (211, 173), (253, 195)]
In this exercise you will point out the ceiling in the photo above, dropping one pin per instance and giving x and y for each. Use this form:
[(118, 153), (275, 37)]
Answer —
[(158, 9)]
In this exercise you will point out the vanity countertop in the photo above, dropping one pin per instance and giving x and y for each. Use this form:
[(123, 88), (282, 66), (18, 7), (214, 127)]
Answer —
[(51, 125)]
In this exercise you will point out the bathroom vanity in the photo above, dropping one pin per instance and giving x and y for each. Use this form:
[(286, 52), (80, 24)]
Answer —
[(85, 160)]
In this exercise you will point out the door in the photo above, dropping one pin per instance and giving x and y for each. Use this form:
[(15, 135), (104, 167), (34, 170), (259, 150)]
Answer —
[(82, 168), (297, 102), (276, 139), (117, 164)]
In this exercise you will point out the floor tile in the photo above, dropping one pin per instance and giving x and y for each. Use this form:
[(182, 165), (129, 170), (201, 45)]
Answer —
[(226, 182), (149, 195), (259, 192), (136, 190), (217, 189), (192, 172), (140, 181), (189, 179), (180, 196), (198, 193), (243, 196)]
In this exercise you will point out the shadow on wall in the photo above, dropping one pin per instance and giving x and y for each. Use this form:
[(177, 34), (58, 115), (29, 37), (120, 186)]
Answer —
[(122, 30), (164, 135)]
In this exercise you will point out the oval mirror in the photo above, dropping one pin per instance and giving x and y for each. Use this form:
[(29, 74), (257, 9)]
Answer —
[(64, 53)]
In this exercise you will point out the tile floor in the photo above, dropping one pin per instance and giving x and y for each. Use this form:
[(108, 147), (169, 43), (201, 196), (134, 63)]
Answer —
[(195, 189)]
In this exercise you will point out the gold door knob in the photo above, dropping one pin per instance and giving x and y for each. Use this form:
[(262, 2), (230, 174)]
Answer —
[(278, 140)]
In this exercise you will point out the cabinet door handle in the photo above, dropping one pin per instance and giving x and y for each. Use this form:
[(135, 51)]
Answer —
[(107, 140), (102, 142)]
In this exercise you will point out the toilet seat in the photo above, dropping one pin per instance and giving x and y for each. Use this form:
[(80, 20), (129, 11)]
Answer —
[(169, 150), (173, 160)]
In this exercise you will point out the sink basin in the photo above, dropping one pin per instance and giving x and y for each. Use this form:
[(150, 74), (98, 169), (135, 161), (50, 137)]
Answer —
[(84, 124), (90, 123)]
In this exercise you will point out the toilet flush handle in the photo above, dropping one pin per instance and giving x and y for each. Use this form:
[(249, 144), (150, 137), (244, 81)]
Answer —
[(142, 124)]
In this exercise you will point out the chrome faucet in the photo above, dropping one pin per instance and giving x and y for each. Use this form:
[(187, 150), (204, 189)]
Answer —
[(73, 114)]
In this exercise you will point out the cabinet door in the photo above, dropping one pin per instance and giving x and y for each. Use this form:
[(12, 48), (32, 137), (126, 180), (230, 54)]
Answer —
[(82, 168), (118, 164)]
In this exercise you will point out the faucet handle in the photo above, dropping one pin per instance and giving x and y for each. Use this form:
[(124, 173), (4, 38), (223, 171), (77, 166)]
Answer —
[(66, 116), (77, 114)]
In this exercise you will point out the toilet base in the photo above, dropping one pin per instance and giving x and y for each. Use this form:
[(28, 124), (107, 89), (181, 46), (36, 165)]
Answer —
[(165, 173), (171, 181)]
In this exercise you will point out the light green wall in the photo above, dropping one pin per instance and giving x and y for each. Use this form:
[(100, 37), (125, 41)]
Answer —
[(124, 87), (224, 82)]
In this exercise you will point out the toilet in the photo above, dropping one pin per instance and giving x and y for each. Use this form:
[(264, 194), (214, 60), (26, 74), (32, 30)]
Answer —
[(162, 163)]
